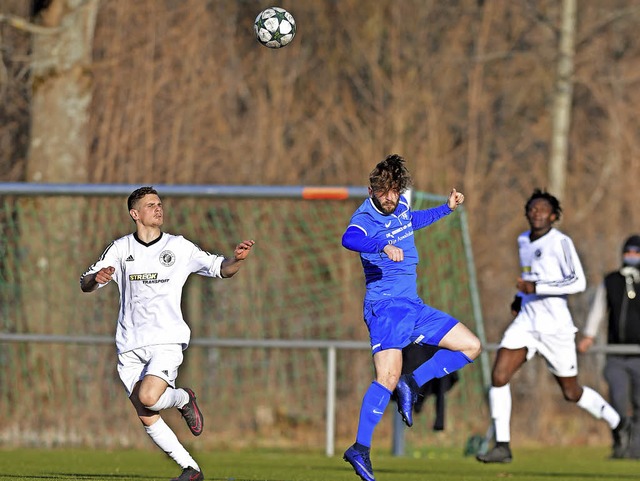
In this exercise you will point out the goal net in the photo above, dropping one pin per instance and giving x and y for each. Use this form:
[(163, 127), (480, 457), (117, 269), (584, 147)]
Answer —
[(58, 362)]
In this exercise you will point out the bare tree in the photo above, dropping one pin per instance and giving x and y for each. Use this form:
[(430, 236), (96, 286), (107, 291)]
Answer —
[(61, 91), (562, 101)]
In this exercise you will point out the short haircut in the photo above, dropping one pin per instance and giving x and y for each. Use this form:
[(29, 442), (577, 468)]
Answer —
[(390, 174), (138, 194), (541, 194)]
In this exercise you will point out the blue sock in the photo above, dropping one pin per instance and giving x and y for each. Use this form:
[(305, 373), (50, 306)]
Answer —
[(442, 363), (373, 405)]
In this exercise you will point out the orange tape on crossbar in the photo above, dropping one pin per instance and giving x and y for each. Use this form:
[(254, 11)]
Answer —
[(332, 193)]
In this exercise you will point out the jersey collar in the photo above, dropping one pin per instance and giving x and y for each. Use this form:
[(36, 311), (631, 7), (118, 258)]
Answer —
[(154, 241)]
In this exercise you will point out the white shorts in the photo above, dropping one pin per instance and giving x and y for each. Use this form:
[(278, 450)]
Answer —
[(162, 360), (558, 350)]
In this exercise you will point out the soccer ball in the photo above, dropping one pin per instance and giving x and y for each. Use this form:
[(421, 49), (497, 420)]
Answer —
[(274, 27)]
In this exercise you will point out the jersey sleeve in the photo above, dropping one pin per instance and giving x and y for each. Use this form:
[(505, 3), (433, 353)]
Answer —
[(204, 263), (572, 278), (423, 218), (109, 258), (355, 239)]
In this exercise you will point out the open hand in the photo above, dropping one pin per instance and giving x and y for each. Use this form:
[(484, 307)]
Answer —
[(243, 249)]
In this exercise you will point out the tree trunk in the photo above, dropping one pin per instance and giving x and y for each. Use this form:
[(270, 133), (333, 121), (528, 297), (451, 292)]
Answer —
[(61, 89), (562, 101), (58, 152)]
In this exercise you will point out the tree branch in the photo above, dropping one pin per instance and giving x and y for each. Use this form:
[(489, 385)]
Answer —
[(22, 24)]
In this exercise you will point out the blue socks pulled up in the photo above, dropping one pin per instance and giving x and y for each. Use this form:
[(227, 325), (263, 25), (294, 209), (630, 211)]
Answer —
[(442, 363), (374, 403)]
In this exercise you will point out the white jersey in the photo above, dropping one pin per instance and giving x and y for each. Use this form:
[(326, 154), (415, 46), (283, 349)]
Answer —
[(150, 278), (553, 264)]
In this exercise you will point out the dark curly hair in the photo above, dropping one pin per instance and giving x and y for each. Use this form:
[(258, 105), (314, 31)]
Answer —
[(541, 194), (138, 194), (390, 174)]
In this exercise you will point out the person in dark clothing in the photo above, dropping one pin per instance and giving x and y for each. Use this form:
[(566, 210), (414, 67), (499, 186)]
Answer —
[(413, 356), (618, 299)]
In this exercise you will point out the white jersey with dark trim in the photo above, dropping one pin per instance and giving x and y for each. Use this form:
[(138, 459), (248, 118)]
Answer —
[(150, 278), (552, 262)]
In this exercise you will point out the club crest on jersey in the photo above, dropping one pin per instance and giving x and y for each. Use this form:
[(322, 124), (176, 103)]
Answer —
[(538, 253), (167, 258)]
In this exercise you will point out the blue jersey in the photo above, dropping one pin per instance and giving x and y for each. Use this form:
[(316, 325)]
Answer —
[(370, 230)]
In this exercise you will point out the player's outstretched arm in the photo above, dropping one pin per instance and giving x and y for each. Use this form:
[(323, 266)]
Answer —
[(91, 282), (426, 217), (232, 265)]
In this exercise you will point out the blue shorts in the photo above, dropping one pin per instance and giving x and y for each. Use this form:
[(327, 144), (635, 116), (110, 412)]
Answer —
[(395, 323)]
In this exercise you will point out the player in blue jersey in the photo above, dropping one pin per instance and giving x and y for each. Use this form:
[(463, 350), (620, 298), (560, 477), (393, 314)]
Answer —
[(382, 231)]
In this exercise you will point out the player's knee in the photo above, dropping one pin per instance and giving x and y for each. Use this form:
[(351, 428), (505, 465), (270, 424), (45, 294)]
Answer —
[(474, 348), (388, 380), (147, 398), (499, 378), (572, 394)]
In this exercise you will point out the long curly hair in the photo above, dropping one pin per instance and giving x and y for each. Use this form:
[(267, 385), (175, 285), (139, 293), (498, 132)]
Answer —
[(390, 174)]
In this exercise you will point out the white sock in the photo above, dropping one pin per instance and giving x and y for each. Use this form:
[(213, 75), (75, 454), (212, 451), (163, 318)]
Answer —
[(166, 440), (500, 403), (171, 398), (594, 403)]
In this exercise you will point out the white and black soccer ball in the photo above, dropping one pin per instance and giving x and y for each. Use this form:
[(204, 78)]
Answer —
[(274, 27)]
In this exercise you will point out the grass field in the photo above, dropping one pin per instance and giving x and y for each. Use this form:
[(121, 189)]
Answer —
[(545, 464)]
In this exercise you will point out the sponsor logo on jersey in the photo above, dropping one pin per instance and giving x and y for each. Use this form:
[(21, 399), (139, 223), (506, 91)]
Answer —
[(538, 253), (167, 258), (129, 259), (391, 235), (147, 278), (143, 277), (400, 229)]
